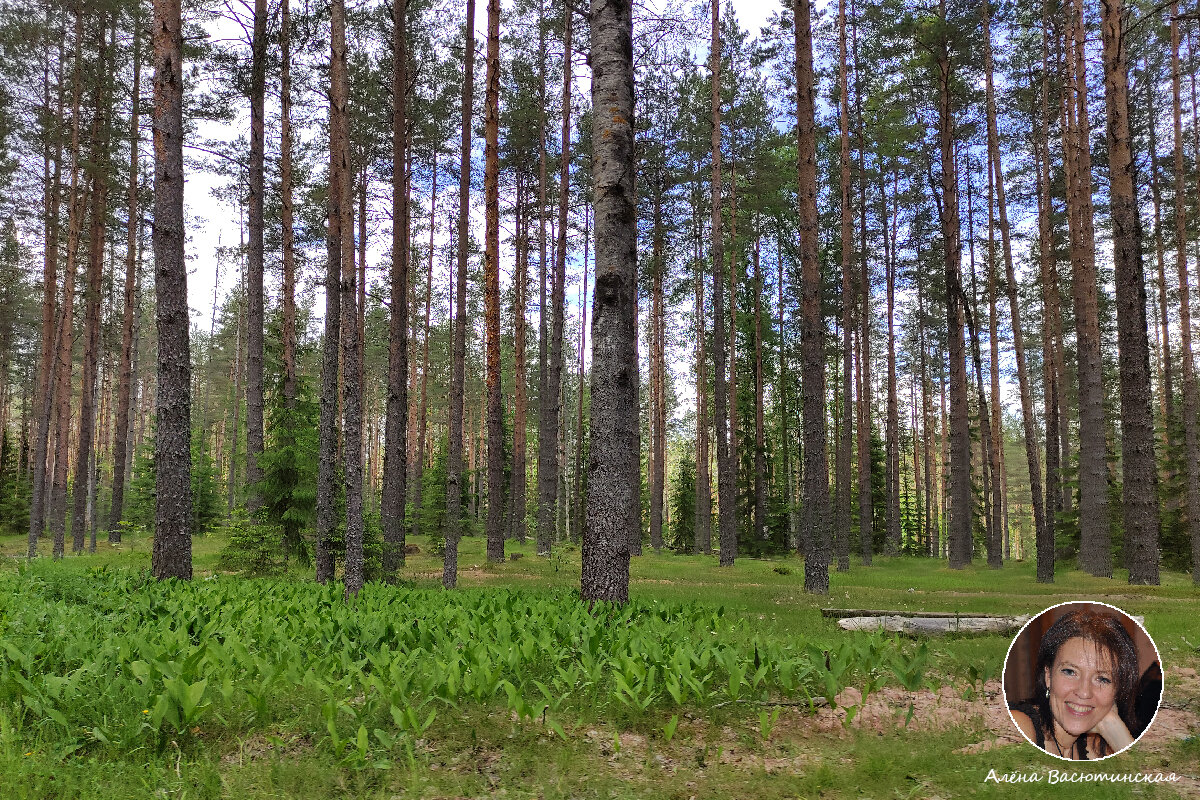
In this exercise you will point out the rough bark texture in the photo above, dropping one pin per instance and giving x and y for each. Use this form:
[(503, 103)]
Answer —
[(1027, 417), (658, 416), (613, 454), (491, 292), (580, 501), (520, 391), (423, 406), (172, 557), (452, 524), (845, 432), (726, 490), (1095, 537), (760, 460), (893, 406), (327, 469), (255, 321), (1167, 390), (339, 145), (1139, 492), (1191, 436), (49, 342), (703, 537), (65, 338), (125, 381), (550, 348), (395, 453), (286, 206), (960, 432), (91, 319), (812, 325)]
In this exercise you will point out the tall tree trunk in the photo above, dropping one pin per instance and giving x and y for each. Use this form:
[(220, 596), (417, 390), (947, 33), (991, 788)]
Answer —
[(613, 456), (327, 470), (989, 495), (236, 373), (1095, 536), (726, 490), (172, 557), (124, 383), (812, 324), (785, 440), (547, 402), (658, 417), (760, 456), (1191, 439), (286, 208), (734, 461), (842, 511), (254, 259), (395, 454), (558, 292), (452, 524), (491, 188), (1139, 493), (866, 507), (703, 534), (65, 338), (1051, 376), (49, 346), (894, 535), (1027, 418), (91, 320), (520, 395), (1167, 388), (339, 143), (423, 414), (577, 494), (999, 534), (960, 433)]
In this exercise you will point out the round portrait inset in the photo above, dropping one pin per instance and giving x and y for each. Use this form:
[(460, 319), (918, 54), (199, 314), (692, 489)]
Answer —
[(1082, 680)]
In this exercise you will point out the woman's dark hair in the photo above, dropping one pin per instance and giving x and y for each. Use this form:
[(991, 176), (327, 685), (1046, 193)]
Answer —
[(1107, 633)]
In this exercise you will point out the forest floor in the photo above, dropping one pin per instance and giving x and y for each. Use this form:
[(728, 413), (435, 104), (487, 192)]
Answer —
[(941, 738)]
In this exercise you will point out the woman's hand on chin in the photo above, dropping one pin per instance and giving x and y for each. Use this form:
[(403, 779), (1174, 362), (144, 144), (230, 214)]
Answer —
[(1113, 730)]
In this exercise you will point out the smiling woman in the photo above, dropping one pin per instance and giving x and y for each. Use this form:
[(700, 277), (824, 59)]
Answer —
[(1086, 694)]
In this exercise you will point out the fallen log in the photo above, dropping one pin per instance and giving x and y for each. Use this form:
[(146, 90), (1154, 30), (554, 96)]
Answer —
[(933, 626), (840, 613)]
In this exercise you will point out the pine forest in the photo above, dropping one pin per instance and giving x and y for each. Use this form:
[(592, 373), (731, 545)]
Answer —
[(629, 322)]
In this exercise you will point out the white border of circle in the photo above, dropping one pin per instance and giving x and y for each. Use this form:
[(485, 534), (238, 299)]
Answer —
[(1004, 672)]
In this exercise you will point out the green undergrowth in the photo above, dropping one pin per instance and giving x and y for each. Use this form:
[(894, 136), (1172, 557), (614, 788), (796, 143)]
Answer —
[(115, 686), (110, 662)]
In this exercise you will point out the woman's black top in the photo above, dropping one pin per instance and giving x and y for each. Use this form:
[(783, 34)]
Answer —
[(1079, 750)]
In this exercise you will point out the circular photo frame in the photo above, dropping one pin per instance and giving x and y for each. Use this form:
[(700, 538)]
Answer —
[(1082, 681)]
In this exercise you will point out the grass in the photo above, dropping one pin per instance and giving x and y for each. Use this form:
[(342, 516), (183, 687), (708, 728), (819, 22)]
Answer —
[(486, 749)]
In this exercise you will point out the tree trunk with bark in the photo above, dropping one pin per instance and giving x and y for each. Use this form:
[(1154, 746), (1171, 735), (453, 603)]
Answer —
[(172, 556), (491, 295), (91, 319), (726, 490), (1023, 384), (1095, 536), (255, 320), (49, 342), (1139, 493), (125, 381), (960, 432), (893, 405), (395, 453), (812, 324), (65, 338), (613, 453), (1191, 436), (452, 523), (845, 434)]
